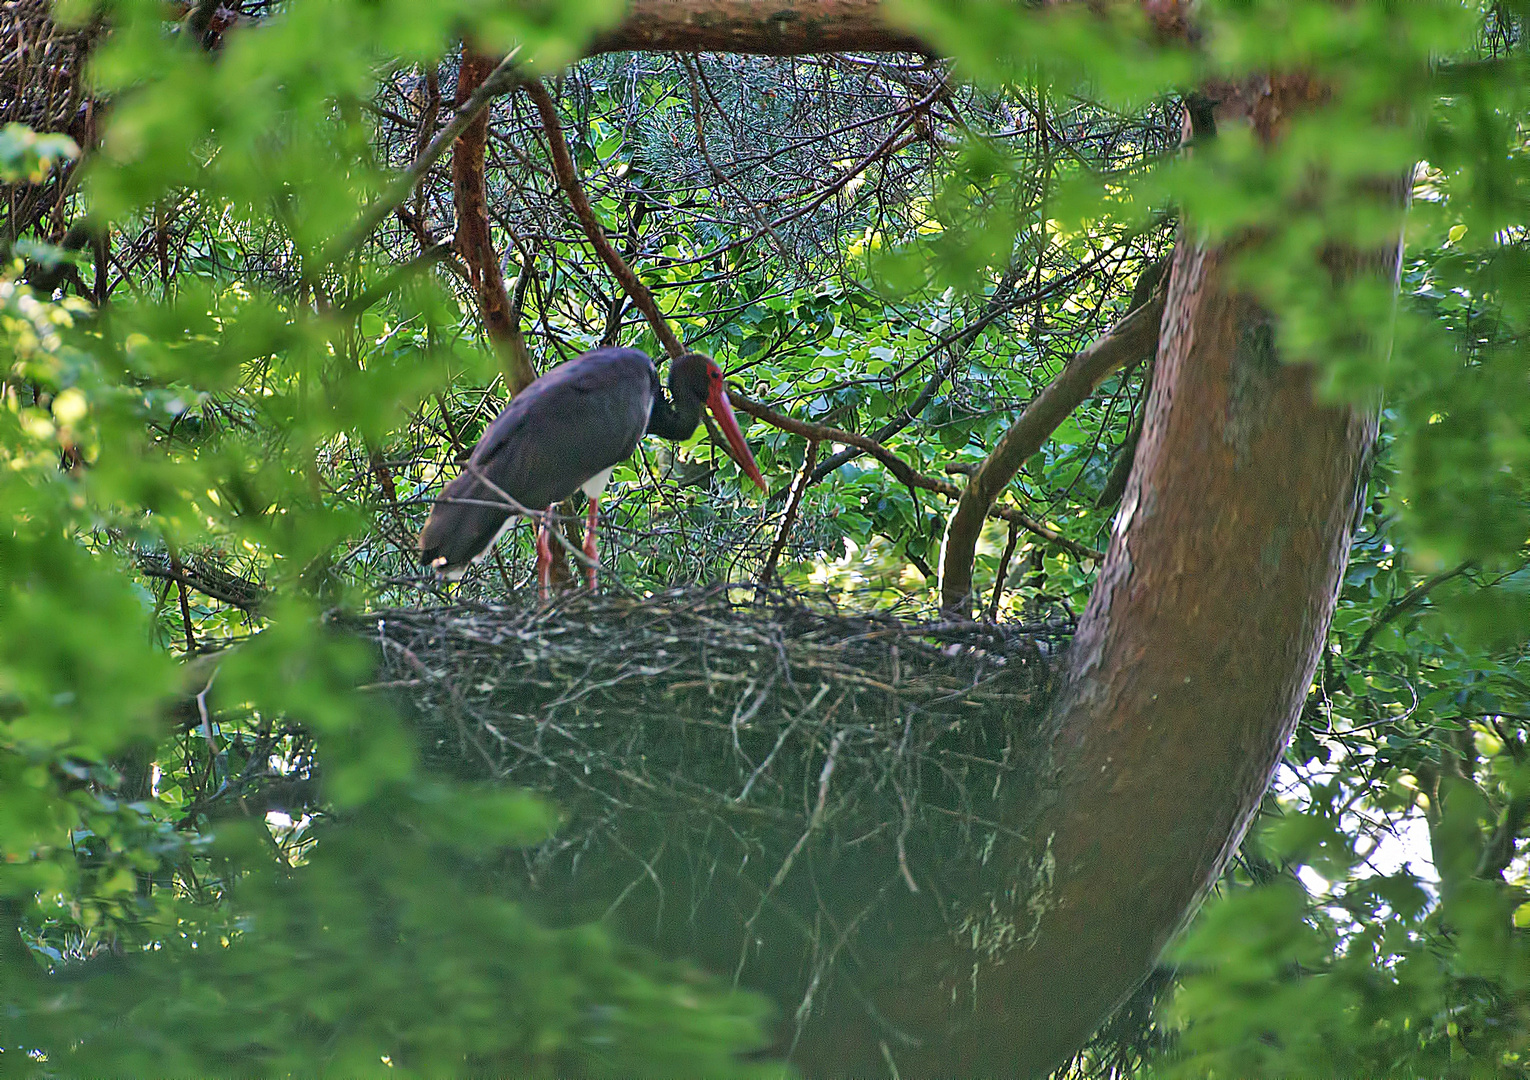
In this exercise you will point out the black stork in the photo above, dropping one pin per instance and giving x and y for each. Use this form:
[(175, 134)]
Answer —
[(567, 432)]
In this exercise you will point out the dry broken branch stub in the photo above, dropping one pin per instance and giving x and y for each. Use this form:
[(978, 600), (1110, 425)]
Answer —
[(763, 787)]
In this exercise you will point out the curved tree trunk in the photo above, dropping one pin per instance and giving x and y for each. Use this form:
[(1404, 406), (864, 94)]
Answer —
[(1196, 652), (1180, 691), (1135, 338), (1182, 685)]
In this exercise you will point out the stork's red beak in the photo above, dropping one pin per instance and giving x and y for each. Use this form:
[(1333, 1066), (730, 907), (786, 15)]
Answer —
[(717, 401)]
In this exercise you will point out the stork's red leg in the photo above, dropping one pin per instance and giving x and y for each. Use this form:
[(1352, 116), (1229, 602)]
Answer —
[(544, 555), (590, 547)]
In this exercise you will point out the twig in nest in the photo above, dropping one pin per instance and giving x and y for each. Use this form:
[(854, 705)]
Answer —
[(791, 856), (725, 746), (739, 721), (785, 733), (908, 813), (829, 761)]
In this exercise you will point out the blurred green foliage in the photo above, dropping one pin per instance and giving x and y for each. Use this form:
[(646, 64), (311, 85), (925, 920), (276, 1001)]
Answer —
[(187, 935), (243, 398)]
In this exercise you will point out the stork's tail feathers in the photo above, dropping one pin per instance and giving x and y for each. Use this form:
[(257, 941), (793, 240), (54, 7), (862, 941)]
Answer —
[(461, 529)]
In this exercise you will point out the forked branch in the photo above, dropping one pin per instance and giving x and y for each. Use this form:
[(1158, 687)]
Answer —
[(568, 180), (498, 81)]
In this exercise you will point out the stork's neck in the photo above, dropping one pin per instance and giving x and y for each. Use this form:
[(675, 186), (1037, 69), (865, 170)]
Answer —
[(675, 415)]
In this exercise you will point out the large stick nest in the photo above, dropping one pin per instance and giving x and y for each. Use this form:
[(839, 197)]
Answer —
[(747, 784)]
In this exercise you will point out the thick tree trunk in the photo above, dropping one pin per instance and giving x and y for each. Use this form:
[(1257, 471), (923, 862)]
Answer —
[(1196, 652), (1181, 689)]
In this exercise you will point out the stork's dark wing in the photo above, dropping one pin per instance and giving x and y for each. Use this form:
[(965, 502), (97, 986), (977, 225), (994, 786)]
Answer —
[(577, 420), (582, 417)]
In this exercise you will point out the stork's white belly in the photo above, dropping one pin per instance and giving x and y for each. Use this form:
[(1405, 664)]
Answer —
[(597, 483)]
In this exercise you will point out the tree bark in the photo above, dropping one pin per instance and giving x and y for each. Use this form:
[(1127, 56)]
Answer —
[(1179, 693), (768, 27), (474, 242), (800, 27), (1189, 667), (1197, 649)]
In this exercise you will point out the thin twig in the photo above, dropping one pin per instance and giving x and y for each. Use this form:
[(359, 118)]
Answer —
[(510, 503), (568, 180), (786, 731), (178, 575), (808, 458), (706, 155), (1407, 602), (904, 472), (998, 580), (830, 760)]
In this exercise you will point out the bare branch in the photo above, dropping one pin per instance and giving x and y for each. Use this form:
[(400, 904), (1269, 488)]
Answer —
[(500, 80), (1003, 300), (798, 490), (568, 180), (473, 241), (1407, 602), (767, 27), (903, 471), (1133, 338)]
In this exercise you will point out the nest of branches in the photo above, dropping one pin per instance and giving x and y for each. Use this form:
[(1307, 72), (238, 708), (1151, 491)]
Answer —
[(761, 786)]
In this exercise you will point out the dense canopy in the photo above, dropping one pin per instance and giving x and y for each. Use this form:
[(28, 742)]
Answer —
[(970, 269)]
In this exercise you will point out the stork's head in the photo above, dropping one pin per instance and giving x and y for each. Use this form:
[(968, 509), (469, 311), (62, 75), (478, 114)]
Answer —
[(697, 377)]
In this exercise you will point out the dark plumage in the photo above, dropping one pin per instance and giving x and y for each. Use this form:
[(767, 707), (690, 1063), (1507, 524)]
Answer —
[(565, 432)]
